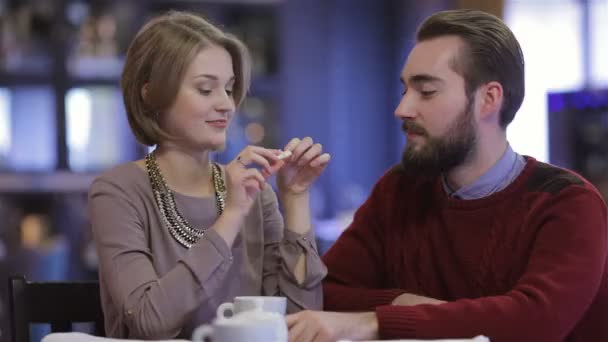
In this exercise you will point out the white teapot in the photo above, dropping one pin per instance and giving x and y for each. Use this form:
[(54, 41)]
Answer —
[(251, 325)]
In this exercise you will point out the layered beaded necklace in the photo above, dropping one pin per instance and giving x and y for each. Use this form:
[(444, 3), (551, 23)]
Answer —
[(177, 225)]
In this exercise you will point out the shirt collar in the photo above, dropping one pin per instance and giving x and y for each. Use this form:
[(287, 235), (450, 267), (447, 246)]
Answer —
[(498, 177)]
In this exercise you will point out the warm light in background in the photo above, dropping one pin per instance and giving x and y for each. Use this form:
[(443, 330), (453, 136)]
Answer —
[(5, 122), (34, 230), (255, 132)]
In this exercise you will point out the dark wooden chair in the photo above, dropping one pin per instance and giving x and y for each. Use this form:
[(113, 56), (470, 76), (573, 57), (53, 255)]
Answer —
[(56, 303)]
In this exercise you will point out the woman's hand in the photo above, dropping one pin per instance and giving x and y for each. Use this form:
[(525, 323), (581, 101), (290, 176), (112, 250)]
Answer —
[(303, 167), (246, 176)]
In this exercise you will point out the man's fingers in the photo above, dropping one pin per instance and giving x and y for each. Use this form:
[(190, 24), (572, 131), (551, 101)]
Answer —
[(292, 319), (296, 331)]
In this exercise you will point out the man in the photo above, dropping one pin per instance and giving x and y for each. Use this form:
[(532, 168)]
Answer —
[(466, 237)]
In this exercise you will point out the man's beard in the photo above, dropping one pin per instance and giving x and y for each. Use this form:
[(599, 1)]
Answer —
[(439, 155)]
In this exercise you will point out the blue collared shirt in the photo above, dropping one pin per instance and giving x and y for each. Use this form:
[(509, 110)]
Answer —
[(498, 177)]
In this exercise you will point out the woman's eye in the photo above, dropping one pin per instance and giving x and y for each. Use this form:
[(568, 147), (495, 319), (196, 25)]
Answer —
[(204, 91)]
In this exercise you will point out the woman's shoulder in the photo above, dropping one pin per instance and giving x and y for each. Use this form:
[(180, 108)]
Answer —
[(126, 177)]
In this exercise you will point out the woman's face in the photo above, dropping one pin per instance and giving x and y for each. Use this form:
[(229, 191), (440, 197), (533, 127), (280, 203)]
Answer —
[(204, 105)]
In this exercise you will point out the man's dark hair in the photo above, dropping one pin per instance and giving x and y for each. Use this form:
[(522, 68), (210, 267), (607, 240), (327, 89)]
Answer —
[(492, 53)]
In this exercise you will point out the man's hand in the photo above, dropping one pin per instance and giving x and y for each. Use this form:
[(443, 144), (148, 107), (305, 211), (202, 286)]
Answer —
[(318, 326), (408, 299)]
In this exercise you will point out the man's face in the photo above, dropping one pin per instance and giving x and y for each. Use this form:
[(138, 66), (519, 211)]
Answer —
[(438, 117)]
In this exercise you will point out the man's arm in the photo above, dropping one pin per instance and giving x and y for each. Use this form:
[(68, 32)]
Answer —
[(562, 278), (356, 262)]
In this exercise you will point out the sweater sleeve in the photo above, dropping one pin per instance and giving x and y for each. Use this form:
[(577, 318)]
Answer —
[(356, 261), (282, 250), (150, 306), (561, 279)]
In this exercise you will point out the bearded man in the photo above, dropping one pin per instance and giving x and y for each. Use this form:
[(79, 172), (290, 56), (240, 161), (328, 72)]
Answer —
[(465, 236)]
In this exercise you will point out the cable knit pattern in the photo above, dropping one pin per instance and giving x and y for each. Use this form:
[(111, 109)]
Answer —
[(527, 263)]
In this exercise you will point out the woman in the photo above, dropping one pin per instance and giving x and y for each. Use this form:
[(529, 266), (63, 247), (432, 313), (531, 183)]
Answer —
[(176, 234)]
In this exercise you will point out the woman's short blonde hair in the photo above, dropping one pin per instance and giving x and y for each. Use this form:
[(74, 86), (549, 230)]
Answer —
[(158, 58)]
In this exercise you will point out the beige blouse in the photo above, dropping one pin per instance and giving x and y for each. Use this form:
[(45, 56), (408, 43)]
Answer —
[(152, 287)]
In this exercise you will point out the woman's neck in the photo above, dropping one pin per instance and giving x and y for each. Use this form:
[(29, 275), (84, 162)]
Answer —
[(185, 171)]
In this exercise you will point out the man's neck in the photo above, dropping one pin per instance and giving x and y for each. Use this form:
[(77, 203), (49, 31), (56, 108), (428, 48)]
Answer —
[(481, 160), (185, 171)]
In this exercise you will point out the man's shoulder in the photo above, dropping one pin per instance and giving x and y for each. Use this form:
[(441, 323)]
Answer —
[(553, 179)]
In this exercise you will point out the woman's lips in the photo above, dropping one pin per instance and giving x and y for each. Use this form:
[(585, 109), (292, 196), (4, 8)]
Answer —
[(218, 123)]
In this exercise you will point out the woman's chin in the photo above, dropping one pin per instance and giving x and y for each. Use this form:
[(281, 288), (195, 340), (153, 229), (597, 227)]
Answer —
[(219, 148), (215, 146), (212, 145)]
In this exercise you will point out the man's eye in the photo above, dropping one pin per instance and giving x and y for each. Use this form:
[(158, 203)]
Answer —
[(427, 93)]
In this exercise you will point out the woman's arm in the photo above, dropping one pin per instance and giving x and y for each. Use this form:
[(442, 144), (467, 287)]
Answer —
[(149, 305), (292, 266)]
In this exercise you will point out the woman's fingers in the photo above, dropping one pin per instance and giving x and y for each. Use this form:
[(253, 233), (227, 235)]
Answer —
[(321, 160), (310, 154), (269, 154), (291, 145), (301, 148), (254, 158), (266, 159), (254, 174), (252, 186)]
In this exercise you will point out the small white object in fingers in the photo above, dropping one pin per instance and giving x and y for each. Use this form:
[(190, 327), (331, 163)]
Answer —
[(284, 154)]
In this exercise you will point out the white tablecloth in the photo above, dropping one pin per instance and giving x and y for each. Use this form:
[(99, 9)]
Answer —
[(476, 339), (81, 337)]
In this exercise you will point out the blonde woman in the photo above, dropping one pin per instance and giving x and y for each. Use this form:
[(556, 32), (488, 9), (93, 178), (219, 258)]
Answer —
[(177, 234)]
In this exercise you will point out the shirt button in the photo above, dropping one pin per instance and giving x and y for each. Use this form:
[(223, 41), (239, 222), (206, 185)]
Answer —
[(305, 239), (129, 312)]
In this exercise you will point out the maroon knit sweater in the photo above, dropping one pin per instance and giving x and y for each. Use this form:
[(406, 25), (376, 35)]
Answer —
[(525, 264)]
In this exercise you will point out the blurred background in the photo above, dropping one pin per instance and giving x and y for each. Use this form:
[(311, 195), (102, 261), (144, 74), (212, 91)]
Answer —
[(324, 68)]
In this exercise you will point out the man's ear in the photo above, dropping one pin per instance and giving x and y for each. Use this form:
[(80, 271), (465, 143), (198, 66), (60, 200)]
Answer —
[(491, 97)]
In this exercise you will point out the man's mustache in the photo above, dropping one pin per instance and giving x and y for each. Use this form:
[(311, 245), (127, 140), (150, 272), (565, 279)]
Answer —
[(414, 128)]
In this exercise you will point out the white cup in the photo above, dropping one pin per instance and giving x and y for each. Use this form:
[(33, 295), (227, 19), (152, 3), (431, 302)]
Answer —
[(246, 303), (257, 331), (251, 324)]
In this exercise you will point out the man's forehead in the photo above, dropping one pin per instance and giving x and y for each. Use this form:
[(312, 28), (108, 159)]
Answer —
[(434, 57)]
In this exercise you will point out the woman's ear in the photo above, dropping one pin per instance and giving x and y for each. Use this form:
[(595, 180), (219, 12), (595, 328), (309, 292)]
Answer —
[(144, 92)]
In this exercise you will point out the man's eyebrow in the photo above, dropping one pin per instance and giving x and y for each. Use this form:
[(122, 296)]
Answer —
[(423, 78)]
